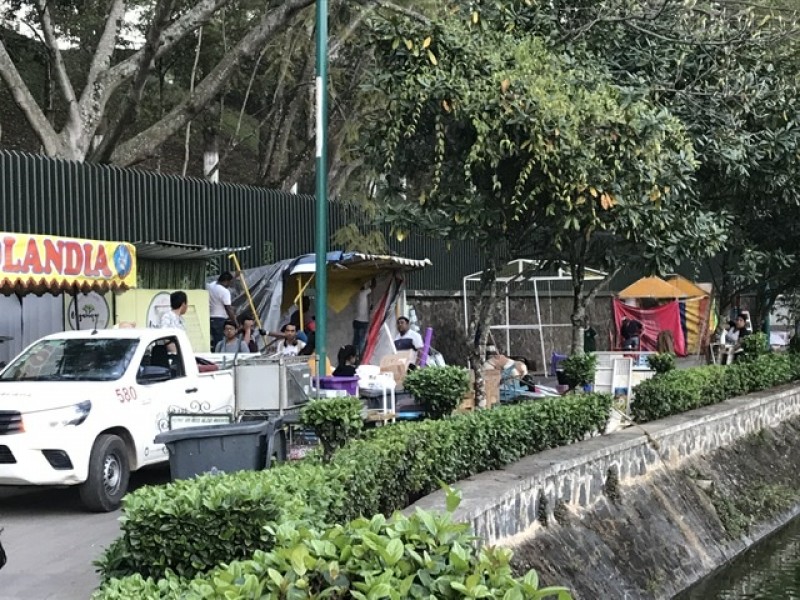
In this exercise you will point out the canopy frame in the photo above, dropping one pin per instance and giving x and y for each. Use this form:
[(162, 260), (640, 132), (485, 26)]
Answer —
[(527, 270)]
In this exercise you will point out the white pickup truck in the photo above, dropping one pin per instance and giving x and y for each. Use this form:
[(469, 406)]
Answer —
[(83, 408)]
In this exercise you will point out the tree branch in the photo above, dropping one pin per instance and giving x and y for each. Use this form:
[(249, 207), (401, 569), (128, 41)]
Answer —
[(27, 103), (58, 60), (105, 48), (142, 145), (130, 107), (191, 20)]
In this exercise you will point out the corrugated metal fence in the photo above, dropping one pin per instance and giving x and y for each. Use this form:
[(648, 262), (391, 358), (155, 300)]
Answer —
[(43, 195)]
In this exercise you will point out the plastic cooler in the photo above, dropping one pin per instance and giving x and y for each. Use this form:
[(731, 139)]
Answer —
[(348, 384)]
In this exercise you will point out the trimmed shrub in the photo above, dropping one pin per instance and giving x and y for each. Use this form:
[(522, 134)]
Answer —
[(394, 466), (189, 526), (438, 389), (678, 391), (663, 362), (425, 555), (579, 369), (334, 421), (386, 470), (754, 345)]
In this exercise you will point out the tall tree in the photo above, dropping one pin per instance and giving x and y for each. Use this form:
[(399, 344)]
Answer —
[(728, 70), (493, 137), (88, 98)]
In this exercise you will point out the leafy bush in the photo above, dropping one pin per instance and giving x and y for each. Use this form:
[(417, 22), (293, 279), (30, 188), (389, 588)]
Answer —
[(394, 466), (384, 471), (579, 369), (425, 555), (438, 389), (189, 526), (191, 523), (678, 391), (663, 362), (334, 421), (754, 345)]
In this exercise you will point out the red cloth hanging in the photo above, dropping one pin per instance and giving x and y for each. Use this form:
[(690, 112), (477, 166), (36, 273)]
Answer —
[(379, 317), (654, 321)]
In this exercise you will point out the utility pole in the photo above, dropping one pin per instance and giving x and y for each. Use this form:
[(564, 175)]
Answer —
[(322, 186)]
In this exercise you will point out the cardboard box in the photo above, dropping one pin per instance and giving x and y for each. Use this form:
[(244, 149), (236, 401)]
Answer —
[(397, 365)]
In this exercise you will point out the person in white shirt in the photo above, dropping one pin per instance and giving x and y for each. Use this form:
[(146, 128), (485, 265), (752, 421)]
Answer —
[(173, 318), (219, 306), (406, 339), (290, 345), (361, 321)]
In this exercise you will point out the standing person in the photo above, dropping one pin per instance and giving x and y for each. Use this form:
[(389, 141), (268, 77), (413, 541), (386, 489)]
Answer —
[(219, 305), (173, 318), (231, 343), (631, 331), (406, 339), (361, 321)]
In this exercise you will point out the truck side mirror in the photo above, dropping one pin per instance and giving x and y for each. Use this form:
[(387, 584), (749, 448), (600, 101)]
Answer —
[(153, 374)]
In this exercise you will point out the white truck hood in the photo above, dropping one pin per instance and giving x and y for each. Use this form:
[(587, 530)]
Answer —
[(35, 396)]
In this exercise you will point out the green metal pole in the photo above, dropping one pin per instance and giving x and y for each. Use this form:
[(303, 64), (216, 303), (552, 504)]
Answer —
[(322, 185)]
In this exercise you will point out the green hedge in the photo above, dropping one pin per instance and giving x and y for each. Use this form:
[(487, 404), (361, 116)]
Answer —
[(426, 555), (184, 526), (678, 391), (188, 526)]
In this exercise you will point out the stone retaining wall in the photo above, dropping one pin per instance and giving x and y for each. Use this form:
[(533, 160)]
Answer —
[(526, 505)]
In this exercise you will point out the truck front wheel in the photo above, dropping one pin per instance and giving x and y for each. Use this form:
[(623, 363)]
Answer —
[(108, 475)]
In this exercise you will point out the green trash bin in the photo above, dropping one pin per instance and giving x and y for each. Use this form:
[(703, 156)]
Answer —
[(217, 448)]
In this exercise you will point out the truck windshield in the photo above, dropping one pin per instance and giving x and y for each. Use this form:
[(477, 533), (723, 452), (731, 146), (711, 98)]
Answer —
[(94, 359)]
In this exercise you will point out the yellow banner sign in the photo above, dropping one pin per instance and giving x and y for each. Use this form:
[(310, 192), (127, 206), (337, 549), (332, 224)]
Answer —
[(46, 263)]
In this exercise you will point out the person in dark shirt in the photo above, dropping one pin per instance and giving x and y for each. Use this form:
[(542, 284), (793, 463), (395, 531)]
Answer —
[(631, 331), (348, 357)]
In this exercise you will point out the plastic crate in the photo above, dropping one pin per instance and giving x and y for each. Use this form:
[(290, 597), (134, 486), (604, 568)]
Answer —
[(348, 384), (216, 448)]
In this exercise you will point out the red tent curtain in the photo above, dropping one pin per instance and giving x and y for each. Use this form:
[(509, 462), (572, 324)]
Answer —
[(654, 321), (379, 317)]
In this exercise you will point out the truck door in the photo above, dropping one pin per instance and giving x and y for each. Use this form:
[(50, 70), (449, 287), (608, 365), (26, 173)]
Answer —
[(165, 390)]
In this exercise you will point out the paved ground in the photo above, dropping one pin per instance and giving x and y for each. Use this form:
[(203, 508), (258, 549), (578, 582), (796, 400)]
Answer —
[(51, 541)]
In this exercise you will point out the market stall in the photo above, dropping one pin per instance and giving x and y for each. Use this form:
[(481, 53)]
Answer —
[(656, 304), (50, 283), (277, 291)]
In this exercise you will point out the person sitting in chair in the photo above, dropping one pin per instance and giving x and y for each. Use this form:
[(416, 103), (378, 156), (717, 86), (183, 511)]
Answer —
[(348, 357)]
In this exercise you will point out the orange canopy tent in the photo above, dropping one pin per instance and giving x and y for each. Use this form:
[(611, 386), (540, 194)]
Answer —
[(651, 287)]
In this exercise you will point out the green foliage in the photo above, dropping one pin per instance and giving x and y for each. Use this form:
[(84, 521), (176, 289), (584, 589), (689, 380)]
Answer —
[(579, 369), (439, 389), (395, 466), (663, 362), (385, 471), (794, 344), (334, 421), (189, 526), (754, 345), (681, 390), (425, 555)]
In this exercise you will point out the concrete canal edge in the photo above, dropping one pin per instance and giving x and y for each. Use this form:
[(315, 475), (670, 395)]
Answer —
[(647, 511)]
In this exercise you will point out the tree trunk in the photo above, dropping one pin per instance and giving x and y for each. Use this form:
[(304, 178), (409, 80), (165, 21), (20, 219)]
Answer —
[(578, 320), (478, 331), (211, 151)]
